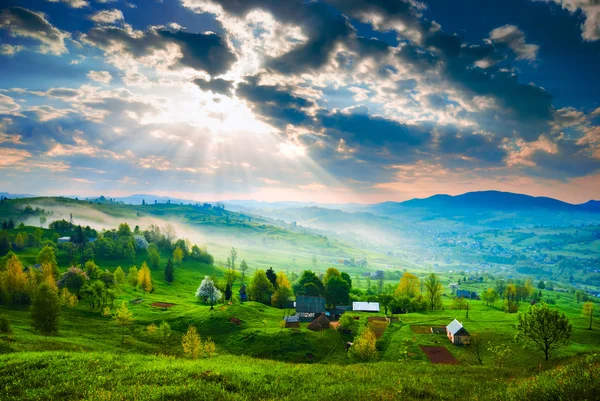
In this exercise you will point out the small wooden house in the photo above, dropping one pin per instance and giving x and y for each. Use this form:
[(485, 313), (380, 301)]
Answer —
[(308, 308), (457, 334)]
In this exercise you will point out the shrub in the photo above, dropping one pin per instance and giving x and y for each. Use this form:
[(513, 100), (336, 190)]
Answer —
[(5, 325), (347, 323), (364, 347)]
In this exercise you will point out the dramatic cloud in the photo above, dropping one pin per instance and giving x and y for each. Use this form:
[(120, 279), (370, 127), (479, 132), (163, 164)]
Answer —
[(21, 22), (201, 51)]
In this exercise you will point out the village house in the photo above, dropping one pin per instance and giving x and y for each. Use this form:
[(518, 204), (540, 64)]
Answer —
[(457, 334), (365, 306), (466, 294), (308, 308)]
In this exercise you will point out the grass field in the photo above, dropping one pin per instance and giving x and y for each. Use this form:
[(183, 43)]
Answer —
[(257, 359)]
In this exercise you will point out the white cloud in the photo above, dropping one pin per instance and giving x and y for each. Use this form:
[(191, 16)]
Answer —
[(107, 16), (590, 30), (9, 50), (72, 3), (103, 77), (20, 22), (514, 38)]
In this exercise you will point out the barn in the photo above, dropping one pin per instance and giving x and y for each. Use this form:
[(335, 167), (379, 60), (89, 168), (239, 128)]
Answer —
[(308, 308), (457, 333)]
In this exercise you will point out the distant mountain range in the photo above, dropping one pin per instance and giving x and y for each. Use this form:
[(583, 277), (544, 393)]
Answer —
[(484, 200), (473, 201)]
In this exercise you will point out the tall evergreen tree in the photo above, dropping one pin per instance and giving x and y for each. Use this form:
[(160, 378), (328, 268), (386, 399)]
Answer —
[(170, 271)]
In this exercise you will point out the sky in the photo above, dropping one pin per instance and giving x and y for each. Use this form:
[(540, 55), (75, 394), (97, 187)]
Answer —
[(329, 101)]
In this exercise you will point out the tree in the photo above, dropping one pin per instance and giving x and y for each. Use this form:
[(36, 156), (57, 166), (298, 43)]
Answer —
[(47, 256), (433, 291), (230, 277), (124, 318), (191, 342), (307, 282), (346, 277), (164, 332), (409, 285), (260, 288), (331, 272), (119, 276), (132, 276), (15, 279), (5, 325), (364, 345), (476, 349), (43, 221), (385, 300), (500, 354), (169, 271), (282, 280), (544, 329), (281, 297), (588, 310), (153, 256), (177, 256), (272, 276), (243, 268), (144, 278), (233, 258), (337, 291), (208, 291), (489, 296), (5, 244), (45, 310), (73, 279), (92, 269), (541, 285), (68, 299)]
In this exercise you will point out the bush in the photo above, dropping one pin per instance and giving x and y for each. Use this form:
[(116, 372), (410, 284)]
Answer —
[(5, 325), (347, 323), (364, 347)]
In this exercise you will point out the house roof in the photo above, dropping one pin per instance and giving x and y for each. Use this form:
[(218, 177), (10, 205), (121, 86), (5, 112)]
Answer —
[(454, 327), (310, 304), (365, 306)]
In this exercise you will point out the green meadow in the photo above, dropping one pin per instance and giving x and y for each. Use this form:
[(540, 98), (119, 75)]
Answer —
[(258, 359)]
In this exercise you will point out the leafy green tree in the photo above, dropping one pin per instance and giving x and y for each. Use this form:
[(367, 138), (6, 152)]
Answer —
[(433, 291), (5, 244), (47, 256), (541, 285), (500, 354), (45, 310), (544, 329), (347, 278), (169, 271), (337, 291), (281, 297), (91, 269), (132, 276), (386, 301), (408, 286), (73, 279), (164, 333), (260, 288), (489, 296), (309, 277), (119, 276), (124, 319), (153, 256)]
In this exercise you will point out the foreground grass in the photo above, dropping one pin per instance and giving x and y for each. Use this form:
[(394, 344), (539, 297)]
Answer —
[(106, 376)]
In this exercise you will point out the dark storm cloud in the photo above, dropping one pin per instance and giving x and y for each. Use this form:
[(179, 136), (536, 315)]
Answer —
[(202, 51), (276, 103), (485, 149), (218, 85)]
